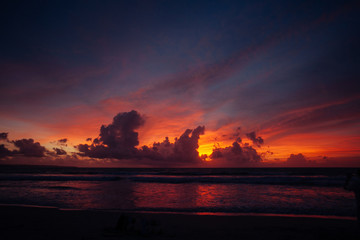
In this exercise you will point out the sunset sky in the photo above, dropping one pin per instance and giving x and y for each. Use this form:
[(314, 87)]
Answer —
[(255, 80)]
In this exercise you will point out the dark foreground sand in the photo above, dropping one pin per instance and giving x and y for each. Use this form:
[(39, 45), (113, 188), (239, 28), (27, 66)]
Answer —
[(52, 223)]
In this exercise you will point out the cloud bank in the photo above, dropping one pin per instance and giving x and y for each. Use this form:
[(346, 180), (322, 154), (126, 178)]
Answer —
[(299, 160), (29, 148), (118, 143), (236, 155), (119, 140), (3, 136), (23, 147), (183, 151)]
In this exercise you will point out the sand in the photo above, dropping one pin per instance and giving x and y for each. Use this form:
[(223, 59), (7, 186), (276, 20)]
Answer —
[(52, 223)]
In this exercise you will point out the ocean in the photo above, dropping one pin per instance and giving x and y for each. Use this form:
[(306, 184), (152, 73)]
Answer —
[(294, 191)]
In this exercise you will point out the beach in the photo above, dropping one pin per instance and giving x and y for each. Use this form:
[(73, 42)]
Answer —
[(28, 222)]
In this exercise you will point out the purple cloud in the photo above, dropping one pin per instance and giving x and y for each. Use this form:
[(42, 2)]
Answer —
[(3, 136), (236, 155), (59, 151), (297, 159), (4, 152), (29, 148), (258, 141), (116, 140)]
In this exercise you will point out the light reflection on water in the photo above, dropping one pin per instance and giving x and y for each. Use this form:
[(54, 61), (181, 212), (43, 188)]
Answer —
[(197, 197), (247, 198)]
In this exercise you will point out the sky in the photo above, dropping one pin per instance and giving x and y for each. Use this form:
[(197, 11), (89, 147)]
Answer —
[(180, 83)]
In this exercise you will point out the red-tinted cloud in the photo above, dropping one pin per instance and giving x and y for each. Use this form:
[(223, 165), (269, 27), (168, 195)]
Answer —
[(59, 151), (3, 136), (183, 151), (118, 140), (235, 156), (258, 141)]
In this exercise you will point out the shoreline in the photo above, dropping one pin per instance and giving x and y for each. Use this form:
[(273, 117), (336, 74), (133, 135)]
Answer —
[(203, 213), (53, 223)]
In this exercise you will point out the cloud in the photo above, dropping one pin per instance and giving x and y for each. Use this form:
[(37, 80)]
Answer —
[(63, 140), (237, 154), (116, 140), (119, 139), (296, 159), (121, 134), (185, 148), (337, 114), (29, 148), (3, 136), (59, 151), (163, 149), (299, 160), (26, 147), (258, 141), (4, 152), (183, 151)]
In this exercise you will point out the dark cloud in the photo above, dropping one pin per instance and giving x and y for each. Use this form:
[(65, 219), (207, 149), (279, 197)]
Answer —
[(63, 140), (163, 150), (29, 148), (121, 134), (297, 159), (258, 141), (4, 152), (116, 140), (88, 139), (3, 136), (59, 151), (26, 147), (237, 132), (185, 148), (119, 140), (182, 152), (236, 154)]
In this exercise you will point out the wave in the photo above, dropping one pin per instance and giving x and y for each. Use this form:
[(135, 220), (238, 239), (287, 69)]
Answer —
[(327, 181), (289, 180), (293, 212), (58, 178), (201, 211)]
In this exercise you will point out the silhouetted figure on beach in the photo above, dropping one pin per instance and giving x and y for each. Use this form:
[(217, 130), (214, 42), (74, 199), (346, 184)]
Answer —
[(353, 184)]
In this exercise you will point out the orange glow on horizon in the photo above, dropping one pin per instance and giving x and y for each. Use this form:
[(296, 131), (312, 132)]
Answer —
[(173, 119)]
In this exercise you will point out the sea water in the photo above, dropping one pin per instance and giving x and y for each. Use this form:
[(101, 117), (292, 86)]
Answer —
[(305, 191)]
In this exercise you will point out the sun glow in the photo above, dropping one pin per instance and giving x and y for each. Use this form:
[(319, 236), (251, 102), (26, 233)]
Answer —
[(205, 149)]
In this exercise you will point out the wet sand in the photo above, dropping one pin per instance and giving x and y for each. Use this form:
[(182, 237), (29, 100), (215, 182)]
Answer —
[(52, 223)]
